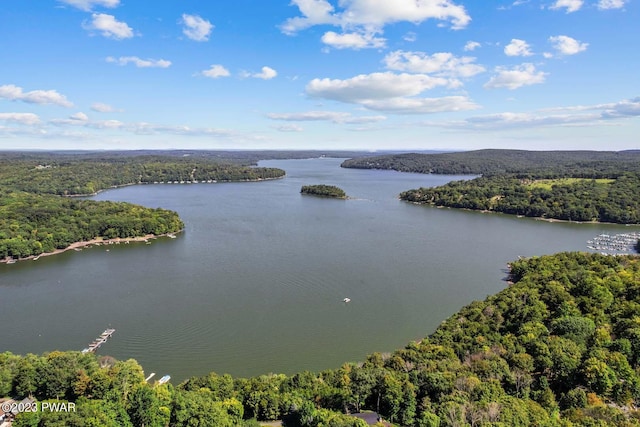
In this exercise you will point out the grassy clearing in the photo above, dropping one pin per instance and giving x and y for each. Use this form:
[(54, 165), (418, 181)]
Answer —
[(548, 183)]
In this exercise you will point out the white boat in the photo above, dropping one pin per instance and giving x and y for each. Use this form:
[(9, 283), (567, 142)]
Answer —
[(347, 300), (164, 379)]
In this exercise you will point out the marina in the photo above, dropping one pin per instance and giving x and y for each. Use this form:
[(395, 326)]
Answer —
[(95, 345), (615, 244)]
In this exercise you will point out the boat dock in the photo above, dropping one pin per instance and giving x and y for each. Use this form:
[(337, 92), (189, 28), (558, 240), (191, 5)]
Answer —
[(615, 244), (95, 345)]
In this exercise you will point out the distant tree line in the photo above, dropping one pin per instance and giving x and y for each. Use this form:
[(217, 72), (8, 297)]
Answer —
[(68, 177), (558, 347), (521, 163), (324, 191)]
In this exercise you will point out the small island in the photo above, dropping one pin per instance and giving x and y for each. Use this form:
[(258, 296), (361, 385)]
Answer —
[(324, 191)]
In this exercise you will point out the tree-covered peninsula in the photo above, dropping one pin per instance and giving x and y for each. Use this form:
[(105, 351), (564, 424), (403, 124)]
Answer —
[(615, 200), (566, 185), (36, 218), (324, 191), (558, 347)]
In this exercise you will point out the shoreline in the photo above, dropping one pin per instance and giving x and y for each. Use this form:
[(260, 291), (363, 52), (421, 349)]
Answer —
[(115, 187), (537, 218), (93, 242)]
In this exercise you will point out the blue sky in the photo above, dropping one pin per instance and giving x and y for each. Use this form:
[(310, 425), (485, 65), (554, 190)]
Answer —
[(320, 74)]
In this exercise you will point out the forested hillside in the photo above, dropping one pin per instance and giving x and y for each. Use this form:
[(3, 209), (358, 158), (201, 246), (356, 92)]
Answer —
[(538, 164), (605, 200), (86, 175), (558, 347)]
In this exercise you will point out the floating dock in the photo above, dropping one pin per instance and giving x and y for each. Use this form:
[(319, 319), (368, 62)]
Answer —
[(95, 345)]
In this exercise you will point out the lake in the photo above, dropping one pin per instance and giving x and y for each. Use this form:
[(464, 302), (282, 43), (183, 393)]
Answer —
[(255, 284)]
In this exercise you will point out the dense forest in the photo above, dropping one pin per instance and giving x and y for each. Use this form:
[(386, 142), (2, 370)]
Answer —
[(558, 347), (87, 175), (324, 191), (605, 200), (32, 224), (521, 163), (35, 219)]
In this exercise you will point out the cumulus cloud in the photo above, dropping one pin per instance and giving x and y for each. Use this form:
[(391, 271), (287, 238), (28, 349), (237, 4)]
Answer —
[(21, 118), (140, 63), (88, 5), (611, 4), (391, 92), (196, 28), (330, 116), (373, 86), (471, 46), (569, 5), (102, 108), (108, 26), (374, 13), (267, 73), (522, 75), (518, 47), (216, 71), (567, 46), (352, 40), (15, 93), (441, 63)]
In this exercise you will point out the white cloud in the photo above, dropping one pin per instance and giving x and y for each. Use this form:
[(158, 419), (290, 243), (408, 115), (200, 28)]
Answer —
[(410, 37), (352, 40), (573, 116), (80, 116), (471, 45), (290, 128), (331, 116), (15, 93), (88, 5), (421, 105), (626, 108), (216, 71), (570, 5), (267, 73), (611, 4), (389, 92), (102, 108), (374, 13), (196, 28), (373, 86), (140, 63), (522, 75), (567, 46), (108, 26), (441, 63), (21, 118), (518, 47)]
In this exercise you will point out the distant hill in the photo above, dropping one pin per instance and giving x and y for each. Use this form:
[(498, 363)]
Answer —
[(541, 164)]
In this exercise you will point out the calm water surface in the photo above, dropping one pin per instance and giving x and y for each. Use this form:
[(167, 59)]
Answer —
[(256, 281)]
